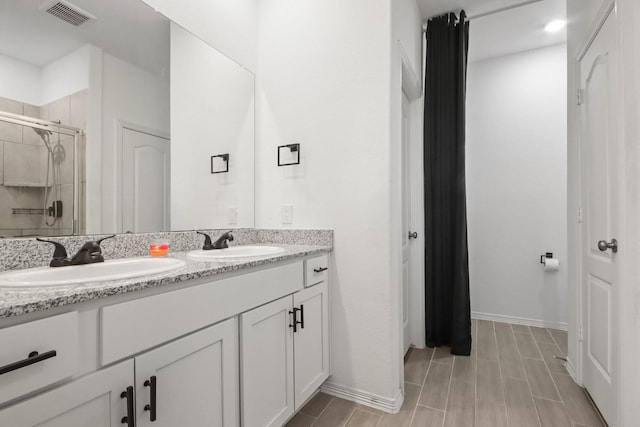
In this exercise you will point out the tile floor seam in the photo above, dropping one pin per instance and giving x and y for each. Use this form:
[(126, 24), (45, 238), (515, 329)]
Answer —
[(526, 376), (549, 372), (446, 403), (429, 407), (353, 411), (558, 344), (322, 412), (504, 397)]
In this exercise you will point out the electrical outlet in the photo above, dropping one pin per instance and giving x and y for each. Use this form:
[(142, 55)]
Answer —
[(287, 214), (232, 215)]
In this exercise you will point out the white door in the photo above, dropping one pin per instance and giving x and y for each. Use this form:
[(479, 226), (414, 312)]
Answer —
[(600, 184), (266, 343), (195, 380), (94, 400), (311, 341), (406, 225), (145, 181)]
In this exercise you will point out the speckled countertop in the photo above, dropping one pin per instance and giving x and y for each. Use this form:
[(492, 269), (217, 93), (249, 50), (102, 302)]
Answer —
[(18, 301)]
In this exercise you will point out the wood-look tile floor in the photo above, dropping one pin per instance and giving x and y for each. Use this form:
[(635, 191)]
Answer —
[(511, 379)]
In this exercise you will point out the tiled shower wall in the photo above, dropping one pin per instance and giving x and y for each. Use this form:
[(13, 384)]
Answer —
[(23, 167)]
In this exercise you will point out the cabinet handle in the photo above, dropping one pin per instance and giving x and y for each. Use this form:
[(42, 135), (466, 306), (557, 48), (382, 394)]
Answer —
[(151, 407), (320, 270), (33, 357), (301, 316), (295, 320), (129, 420)]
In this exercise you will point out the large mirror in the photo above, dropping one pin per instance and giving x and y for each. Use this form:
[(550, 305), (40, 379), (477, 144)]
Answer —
[(168, 122)]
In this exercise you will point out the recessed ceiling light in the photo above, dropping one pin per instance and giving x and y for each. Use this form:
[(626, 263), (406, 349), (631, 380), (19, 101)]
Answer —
[(554, 26)]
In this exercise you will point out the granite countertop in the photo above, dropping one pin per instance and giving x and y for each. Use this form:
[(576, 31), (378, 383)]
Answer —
[(18, 301)]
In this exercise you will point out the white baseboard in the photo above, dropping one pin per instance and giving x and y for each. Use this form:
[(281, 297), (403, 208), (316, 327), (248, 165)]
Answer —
[(519, 320), (385, 404)]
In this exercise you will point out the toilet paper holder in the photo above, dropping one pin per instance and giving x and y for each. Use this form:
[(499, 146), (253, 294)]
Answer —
[(543, 257)]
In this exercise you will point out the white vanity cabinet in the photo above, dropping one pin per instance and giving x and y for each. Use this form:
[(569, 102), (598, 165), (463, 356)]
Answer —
[(192, 381), (96, 400), (284, 355), (173, 358)]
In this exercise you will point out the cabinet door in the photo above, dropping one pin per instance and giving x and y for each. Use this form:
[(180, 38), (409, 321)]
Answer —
[(311, 341), (94, 400), (196, 380), (267, 364)]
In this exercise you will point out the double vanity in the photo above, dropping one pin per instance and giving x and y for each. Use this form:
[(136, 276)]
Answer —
[(237, 337)]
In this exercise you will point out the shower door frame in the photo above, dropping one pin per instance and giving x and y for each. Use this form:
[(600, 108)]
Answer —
[(74, 132)]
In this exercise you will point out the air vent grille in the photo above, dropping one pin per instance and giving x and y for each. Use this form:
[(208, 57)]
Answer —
[(69, 13)]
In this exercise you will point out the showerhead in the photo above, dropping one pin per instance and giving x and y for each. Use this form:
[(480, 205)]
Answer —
[(42, 132)]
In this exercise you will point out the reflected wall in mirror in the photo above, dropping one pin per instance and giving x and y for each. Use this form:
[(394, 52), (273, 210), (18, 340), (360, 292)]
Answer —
[(110, 76)]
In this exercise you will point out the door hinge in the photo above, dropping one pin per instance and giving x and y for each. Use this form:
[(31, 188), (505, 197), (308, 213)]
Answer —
[(579, 215), (579, 333), (580, 96)]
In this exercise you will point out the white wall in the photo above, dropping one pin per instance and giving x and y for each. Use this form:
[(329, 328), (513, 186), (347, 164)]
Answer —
[(20, 81), (324, 81), (137, 97), (66, 75), (212, 113), (516, 185), (39, 86), (229, 26)]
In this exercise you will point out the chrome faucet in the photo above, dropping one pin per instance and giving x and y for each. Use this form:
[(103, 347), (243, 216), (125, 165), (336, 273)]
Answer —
[(89, 253), (221, 243)]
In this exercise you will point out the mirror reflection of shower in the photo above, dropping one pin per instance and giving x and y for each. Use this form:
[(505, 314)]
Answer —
[(52, 202), (42, 166)]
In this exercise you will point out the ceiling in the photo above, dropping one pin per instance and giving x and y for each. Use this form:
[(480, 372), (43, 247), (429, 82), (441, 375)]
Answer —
[(127, 29), (513, 30)]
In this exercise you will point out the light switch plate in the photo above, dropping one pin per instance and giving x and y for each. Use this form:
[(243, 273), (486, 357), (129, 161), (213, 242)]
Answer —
[(232, 213), (287, 214)]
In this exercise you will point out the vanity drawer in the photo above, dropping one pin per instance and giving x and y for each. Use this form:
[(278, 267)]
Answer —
[(134, 326), (316, 270), (55, 340)]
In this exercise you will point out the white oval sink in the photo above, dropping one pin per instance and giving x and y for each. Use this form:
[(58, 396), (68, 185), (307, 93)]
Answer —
[(233, 253), (116, 269)]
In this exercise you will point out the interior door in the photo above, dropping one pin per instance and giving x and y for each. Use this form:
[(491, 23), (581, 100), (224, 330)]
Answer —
[(406, 225), (145, 181), (600, 182)]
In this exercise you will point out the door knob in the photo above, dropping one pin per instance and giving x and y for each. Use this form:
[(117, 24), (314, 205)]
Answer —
[(603, 245), (413, 235)]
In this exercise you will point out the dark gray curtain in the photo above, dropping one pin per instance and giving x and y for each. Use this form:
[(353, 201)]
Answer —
[(448, 311)]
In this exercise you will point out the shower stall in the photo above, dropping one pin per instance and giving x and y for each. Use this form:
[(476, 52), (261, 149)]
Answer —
[(40, 176)]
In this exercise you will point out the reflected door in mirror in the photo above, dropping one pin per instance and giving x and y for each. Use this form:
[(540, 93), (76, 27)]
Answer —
[(145, 182)]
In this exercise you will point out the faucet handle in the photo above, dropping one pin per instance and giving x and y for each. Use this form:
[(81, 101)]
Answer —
[(104, 238), (207, 241), (60, 252)]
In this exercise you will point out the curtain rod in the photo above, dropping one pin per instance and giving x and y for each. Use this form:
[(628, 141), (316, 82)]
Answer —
[(480, 15)]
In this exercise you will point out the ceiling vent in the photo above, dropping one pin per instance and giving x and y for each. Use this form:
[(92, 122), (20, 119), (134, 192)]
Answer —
[(68, 12)]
